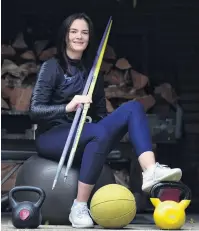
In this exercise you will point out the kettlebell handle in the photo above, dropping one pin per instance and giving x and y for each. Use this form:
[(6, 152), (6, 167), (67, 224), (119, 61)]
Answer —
[(30, 189), (168, 184)]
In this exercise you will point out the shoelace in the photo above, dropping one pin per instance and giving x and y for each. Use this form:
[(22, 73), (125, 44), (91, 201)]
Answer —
[(157, 165), (162, 166), (83, 210)]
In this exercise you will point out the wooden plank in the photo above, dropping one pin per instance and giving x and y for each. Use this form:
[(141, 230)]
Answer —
[(185, 88), (191, 143), (192, 138), (192, 107), (10, 183), (187, 97), (192, 128), (191, 117)]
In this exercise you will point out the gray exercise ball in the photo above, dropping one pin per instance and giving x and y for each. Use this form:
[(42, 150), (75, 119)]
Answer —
[(40, 172)]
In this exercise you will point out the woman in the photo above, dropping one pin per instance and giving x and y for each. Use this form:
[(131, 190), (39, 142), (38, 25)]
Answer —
[(55, 98)]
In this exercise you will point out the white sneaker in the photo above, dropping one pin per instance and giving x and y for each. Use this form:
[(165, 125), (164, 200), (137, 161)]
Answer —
[(158, 173), (79, 216)]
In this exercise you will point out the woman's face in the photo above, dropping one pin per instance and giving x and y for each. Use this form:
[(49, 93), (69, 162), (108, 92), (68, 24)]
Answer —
[(78, 36)]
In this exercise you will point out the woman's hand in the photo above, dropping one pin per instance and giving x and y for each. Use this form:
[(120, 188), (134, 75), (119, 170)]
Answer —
[(76, 101)]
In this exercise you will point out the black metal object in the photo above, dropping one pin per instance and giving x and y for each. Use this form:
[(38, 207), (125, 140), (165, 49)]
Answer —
[(174, 185), (166, 129), (17, 125), (26, 214)]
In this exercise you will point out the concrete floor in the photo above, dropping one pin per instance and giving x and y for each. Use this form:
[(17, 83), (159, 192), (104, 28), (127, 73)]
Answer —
[(192, 223)]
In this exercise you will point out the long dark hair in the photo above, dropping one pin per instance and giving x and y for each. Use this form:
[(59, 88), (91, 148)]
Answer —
[(88, 54)]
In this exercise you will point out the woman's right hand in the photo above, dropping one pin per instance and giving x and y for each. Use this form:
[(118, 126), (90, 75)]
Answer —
[(76, 101)]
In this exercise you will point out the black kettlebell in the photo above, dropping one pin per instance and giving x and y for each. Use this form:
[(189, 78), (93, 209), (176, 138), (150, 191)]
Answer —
[(26, 214)]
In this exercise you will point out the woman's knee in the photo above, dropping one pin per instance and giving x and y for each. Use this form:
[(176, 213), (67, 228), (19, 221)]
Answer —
[(100, 132), (133, 106)]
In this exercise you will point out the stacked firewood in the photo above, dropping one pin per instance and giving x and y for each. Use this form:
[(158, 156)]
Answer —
[(19, 68), (124, 83), (20, 65)]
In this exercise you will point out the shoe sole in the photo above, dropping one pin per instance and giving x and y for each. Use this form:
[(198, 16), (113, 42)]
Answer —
[(80, 226), (175, 177)]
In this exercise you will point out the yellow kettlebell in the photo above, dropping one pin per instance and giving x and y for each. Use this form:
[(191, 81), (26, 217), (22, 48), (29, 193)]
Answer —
[(170, 214)]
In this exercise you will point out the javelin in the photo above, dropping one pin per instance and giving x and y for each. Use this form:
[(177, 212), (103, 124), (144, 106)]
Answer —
[(89, 84)]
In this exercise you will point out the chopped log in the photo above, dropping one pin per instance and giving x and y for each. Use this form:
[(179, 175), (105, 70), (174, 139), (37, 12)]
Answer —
[(109, 53), (4, 105), (126, 77), (139, 80), (21, 72), (20, 98), (10, 183), (106, 67), (8, 67), (5, 90), (29, 68), (19, 42), (167, 92), (47, 54), (28, 55), (7, 51), (40, 46), (141, 93), (115, 77), (147, 101), (12, 81), (117, 92), (109, 106), (123, 64)]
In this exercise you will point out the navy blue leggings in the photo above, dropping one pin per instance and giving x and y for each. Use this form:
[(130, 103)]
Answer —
[(98, 139)]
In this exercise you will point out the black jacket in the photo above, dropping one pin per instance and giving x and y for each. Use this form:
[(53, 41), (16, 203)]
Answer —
[(54, 89)]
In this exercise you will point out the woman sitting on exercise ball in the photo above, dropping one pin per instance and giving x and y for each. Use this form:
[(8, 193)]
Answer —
[(56, 96)]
